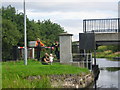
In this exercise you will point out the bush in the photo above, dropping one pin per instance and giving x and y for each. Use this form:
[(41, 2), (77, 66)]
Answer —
[(100, 55), (102, 48), (107, 52)]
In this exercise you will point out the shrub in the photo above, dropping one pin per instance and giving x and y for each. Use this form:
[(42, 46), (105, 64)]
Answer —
[(108, 52), (102, 48)]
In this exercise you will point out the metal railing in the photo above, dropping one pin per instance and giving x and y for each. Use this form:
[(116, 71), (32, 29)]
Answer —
[(85, 59), (101, 25)]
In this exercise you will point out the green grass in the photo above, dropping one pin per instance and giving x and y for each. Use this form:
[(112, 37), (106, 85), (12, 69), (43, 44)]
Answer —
[(14, 73)]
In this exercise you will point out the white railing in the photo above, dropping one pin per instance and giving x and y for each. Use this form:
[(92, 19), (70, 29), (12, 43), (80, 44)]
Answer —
[(87, 59)]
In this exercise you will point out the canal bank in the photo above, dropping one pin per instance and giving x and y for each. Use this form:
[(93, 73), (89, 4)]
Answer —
[(82, 80), (67, 80), (35, 75), (71, 80)]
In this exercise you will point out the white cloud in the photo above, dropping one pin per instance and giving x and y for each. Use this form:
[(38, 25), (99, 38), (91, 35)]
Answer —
[(65, 6), (75, 32), (68, 13)]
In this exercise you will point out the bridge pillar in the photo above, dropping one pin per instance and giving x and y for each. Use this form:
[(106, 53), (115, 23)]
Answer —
[(65, 40)]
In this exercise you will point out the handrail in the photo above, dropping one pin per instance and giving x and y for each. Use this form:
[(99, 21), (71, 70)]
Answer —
[(101, 25)]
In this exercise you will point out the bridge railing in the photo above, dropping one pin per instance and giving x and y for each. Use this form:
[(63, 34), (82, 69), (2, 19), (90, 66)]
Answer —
[(101, 25), (104, 31)]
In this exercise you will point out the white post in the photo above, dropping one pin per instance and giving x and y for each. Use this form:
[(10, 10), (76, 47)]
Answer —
[(33, 53), (25, 37)]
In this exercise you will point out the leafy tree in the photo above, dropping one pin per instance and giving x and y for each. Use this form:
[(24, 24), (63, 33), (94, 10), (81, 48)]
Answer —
[(8, 12), (114, 48), (50, 31), (13, 30), (10, 37)]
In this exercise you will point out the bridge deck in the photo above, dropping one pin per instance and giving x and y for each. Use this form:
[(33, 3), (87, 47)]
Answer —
[(107, 38)]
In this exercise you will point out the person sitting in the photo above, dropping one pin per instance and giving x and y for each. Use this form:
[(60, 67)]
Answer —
[(45, 59), (51, 58)]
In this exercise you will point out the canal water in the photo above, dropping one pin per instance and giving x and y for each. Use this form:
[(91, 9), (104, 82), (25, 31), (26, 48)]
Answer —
[(109, 74)]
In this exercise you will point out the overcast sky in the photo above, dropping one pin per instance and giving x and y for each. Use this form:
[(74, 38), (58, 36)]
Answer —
[(68, 13)]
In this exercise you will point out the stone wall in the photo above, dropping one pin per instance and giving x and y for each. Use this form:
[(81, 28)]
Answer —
[(68, 80), (71, 80)]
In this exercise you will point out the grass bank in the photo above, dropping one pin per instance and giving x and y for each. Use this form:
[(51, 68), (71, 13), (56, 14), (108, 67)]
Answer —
[(108, 52), (14, 73)]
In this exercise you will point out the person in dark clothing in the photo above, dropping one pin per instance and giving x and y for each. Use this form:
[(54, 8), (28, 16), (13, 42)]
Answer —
[(38, 46), (38, 51), (52, 47), (15, 53), (45, 59), (57, 53)]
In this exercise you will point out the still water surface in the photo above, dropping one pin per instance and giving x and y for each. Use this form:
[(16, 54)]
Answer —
[(109, 74)]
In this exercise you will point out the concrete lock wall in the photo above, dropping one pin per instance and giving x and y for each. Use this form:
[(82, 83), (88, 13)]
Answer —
[(65, 48)]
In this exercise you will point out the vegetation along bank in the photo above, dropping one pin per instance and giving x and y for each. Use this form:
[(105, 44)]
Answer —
[(110, 51)]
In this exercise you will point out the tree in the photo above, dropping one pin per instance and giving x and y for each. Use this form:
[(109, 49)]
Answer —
[(50, 31), (13, 30), (10, 37), (8, 12)]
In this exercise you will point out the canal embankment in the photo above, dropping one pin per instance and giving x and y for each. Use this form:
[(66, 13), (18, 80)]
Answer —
[(68, 80), (36, 75)]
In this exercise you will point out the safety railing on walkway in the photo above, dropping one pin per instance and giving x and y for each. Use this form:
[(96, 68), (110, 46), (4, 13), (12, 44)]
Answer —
[(111, 25)]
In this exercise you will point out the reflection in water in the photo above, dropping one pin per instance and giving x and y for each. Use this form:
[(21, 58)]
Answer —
[(102, 62), (108, 77), (111, 69)]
